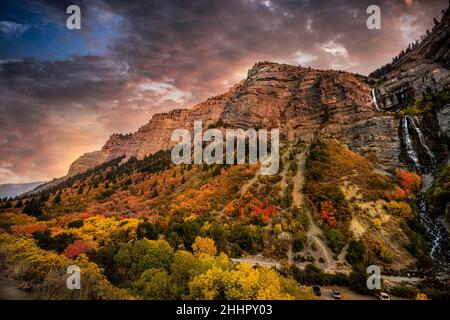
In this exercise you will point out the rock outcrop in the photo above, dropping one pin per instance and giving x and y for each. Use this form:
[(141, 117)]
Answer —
[(422, 69)]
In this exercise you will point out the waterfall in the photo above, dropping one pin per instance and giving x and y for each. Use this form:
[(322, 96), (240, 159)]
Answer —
[(439, 238), (421, 138), (409, 146), (374, 99), (439, 243)]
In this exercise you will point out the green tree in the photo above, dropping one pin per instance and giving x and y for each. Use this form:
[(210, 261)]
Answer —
[(356, 253), (335, 240), (135, 257), (57, 199), (147, 230), (183, 268), (154, 284)]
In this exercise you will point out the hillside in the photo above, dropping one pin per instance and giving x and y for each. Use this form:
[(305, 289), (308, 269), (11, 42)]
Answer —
[(356, 172)]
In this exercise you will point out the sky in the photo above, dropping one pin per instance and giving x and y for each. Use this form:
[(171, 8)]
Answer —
[(64, 92)]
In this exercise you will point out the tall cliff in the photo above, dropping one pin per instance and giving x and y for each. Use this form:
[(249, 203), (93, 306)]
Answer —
[(302, 102)]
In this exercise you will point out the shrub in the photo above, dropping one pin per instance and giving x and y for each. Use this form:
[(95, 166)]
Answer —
[(48, 272), (78, 247), (299, 241), (335, 240), (57, 243), (386, 255), (75, 224), (439, 194), (356, 253), (399, 209), (409, 181)]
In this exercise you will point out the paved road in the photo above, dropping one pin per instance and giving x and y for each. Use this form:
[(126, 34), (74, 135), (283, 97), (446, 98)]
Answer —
[(347, 294)]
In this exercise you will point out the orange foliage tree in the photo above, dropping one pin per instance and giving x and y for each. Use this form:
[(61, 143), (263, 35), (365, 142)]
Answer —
[(327, 212), (409, 181), (263, 210), (29, 229)]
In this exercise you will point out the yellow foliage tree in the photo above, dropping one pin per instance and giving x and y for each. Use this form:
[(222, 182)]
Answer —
[(242, 283), (204, 246), (421, 296), (400, 209)]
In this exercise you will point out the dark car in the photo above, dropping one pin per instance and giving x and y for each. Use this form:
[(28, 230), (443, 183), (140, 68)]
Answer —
[(317, 291)]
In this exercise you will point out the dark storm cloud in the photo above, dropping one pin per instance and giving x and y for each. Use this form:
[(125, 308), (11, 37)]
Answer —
[(163, 54)]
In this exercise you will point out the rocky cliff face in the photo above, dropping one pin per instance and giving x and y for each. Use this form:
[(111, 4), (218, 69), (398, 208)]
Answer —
[(153, 136), (422, 69), (302, 102)]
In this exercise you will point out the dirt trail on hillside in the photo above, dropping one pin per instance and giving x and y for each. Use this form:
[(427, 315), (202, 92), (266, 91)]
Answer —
[(185, 185), (249, 183), (314, 233)]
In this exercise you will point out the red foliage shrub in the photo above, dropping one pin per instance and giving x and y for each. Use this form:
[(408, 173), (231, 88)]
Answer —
[(327, 212), (78, 247)]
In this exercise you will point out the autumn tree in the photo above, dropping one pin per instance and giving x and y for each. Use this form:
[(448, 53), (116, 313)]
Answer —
[(204, 246), (409, 181), (244, 283), (400, 209)]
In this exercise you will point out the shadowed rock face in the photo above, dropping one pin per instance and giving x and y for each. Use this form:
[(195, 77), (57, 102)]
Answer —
[(422, 70)]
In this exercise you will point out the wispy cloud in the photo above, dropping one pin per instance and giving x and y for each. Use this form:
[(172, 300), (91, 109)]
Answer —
[(12, 29)]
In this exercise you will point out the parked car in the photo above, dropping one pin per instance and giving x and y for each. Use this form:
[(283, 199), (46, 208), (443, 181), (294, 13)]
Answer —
[(383, 296), (336, 294), (317, 291)]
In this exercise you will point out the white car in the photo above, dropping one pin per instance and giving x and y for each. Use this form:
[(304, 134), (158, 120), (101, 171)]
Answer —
[(336, 294), (384, 296)]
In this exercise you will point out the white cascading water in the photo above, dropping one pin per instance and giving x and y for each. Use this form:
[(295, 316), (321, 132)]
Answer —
[(374, 99), (421, 138), (439, 238), (409, 146)]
